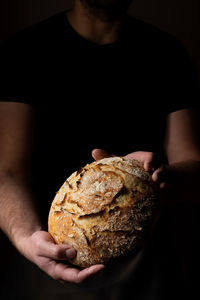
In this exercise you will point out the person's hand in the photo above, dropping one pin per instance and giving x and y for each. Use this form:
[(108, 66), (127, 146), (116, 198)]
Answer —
[(52, 258), (148, 160)]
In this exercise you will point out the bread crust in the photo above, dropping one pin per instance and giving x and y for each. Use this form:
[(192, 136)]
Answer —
[(105, 210)]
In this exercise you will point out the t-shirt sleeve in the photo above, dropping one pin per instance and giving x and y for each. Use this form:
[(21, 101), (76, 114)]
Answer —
[(15, 76), (181, 87)]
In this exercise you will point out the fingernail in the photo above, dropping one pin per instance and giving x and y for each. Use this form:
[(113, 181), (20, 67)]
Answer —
[(163, 185), (70, 253)]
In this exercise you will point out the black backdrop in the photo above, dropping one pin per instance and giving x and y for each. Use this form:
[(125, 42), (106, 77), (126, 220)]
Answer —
[(179, 17)]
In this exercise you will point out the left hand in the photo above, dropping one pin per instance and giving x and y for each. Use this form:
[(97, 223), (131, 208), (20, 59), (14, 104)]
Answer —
[(52, 258), (148, 160)]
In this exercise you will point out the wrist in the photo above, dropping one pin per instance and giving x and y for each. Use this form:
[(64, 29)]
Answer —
[(21, 240)]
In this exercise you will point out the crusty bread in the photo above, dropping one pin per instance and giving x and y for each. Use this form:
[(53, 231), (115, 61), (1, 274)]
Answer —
[(104, 210)]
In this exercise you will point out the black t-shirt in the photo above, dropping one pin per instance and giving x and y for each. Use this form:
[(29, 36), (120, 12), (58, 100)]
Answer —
[(114, 96)]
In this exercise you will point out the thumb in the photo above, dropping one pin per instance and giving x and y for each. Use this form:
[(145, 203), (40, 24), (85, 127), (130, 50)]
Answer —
[(58, 252), (98, 154)]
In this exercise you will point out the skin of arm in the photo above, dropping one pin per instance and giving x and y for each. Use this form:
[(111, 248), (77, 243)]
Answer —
[(180, 199), (15, 173), (18, 213), (182, 148)]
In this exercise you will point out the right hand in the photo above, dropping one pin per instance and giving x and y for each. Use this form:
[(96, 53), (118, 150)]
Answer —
[(148, 160), (48, 256)]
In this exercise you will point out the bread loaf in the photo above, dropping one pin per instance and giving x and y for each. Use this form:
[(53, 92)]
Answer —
[(104, 210)]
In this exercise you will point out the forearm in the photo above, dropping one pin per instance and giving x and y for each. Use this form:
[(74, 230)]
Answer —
[(18, 214), (183, 179)]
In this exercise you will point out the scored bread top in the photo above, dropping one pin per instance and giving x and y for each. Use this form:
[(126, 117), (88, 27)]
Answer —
[(90, 189), (102, 199)]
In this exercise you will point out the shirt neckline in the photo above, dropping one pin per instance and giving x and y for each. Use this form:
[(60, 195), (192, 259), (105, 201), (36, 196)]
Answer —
[(85, 41)]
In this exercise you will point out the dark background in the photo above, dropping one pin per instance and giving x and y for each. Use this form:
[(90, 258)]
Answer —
[(179, 17)]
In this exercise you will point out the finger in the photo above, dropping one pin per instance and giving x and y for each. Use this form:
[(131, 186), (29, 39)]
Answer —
[(148, 165), (159, 175), (88, 272), (54, 251), (147, 158), (98, 154), (163, 185), (65, 273)]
